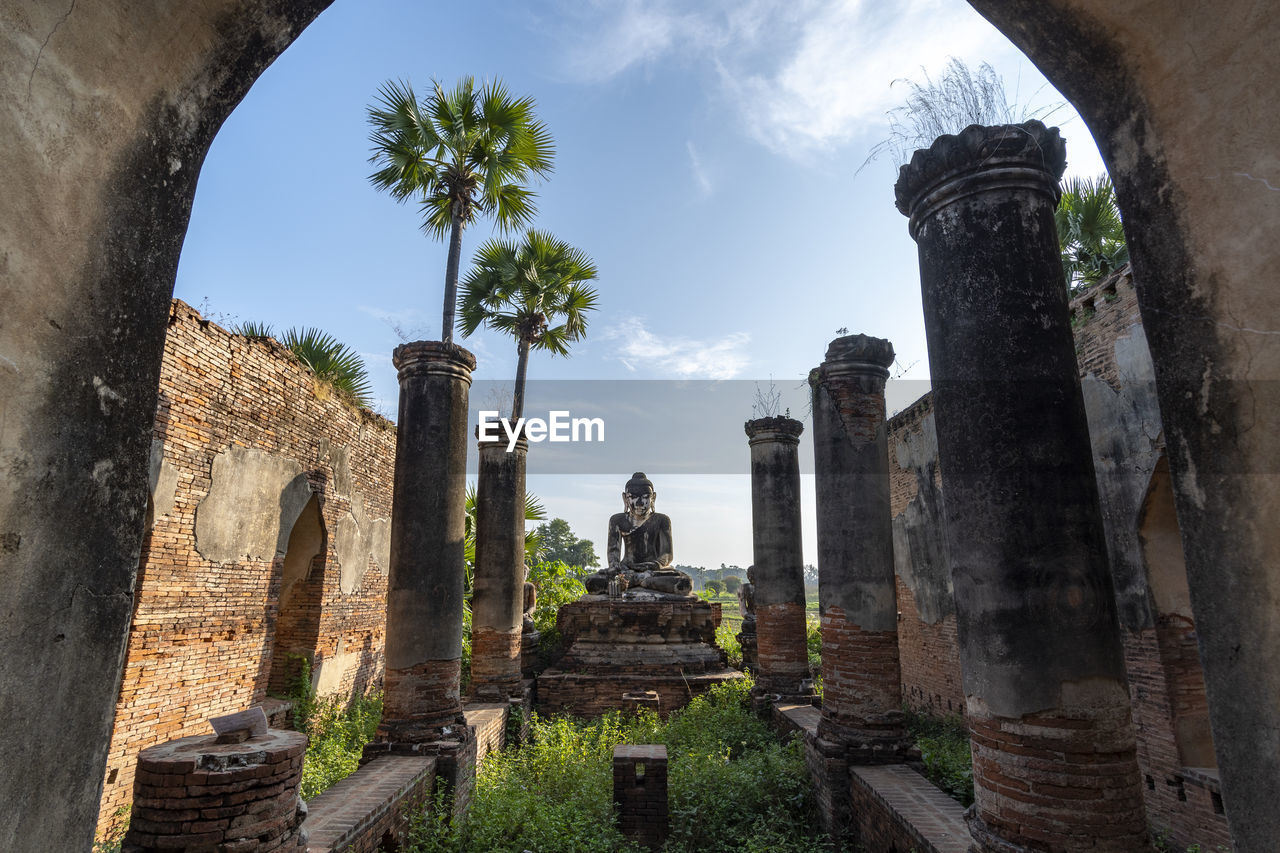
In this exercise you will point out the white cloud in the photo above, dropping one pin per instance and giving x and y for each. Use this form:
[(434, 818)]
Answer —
[(805, 76), (640, 349), (699, 173)]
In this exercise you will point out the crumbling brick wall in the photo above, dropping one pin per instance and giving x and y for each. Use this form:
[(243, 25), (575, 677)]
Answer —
[(241, 420)]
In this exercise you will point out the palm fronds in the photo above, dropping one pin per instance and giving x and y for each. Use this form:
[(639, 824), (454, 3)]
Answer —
[(1090, 231), (334, 362)]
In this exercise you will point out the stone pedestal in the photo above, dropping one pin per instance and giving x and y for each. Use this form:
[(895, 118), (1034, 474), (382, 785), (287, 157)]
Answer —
[(861, 678), (1048, 707), (640, 793), (497, 602), (425, 587), (195, 794), (637, 642), (782, 653)]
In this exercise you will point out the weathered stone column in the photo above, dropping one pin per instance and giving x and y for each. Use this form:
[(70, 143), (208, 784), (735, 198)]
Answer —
[(497, 604), (857, 594), (782, 654), (1053, 743), (425, 587)]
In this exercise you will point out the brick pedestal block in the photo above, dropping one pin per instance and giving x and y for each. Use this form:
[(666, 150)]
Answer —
[(640, 793), (195, 794), (420, 701)]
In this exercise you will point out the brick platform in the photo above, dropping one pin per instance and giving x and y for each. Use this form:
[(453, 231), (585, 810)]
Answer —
[(906, 811), (375, 802), (195, 794), (632, 644)]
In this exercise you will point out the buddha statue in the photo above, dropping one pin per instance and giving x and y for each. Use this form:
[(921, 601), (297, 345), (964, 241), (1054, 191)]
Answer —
[(639, 550)]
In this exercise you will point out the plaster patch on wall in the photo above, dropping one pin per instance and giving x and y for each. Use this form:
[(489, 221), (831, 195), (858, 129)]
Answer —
[(358, 539), (253, 501), (919, 546), (162, 478)]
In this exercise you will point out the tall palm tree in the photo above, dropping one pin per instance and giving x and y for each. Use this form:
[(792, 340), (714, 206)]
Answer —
[(463, 153), (522, 289), (1090, 231)]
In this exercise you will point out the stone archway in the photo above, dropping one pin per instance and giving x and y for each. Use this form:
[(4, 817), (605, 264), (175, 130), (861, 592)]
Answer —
[(112, 107)]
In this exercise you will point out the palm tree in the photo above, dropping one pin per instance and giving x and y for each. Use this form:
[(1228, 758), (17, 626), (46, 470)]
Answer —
[(1090, 231), (521, 289), (328, 358), (464, 153)]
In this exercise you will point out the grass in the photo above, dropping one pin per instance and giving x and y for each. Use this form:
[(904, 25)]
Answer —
[(732, 786)]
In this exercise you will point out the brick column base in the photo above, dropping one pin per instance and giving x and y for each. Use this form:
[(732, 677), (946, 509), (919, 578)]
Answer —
[(495, 662), (781, 650), (861, 692), (1058, 781), (421, 702)]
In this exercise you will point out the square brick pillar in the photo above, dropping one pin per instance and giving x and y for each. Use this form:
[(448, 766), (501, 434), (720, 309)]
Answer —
[(640, 793)]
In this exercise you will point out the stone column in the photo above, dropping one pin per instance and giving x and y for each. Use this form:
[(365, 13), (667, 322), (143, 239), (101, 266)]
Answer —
[(425, 587), (861, 679), (497, 604), (1048, 707), (782, 654)]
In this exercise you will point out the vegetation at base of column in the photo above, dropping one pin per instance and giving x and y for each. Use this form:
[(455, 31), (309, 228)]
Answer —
[(462, 153), (943, 742), (732, 786), (337, 730)]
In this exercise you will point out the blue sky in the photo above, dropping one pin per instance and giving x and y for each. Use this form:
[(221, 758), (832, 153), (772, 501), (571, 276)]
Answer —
[(707, 159)]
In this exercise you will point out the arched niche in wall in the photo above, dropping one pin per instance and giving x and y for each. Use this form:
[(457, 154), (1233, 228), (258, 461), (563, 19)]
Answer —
[(1166, 568), (297, 623)]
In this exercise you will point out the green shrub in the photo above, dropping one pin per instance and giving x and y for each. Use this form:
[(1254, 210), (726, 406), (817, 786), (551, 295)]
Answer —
[(733, 786), (944, 748), (727, 639), (715, 587), (336, 732)]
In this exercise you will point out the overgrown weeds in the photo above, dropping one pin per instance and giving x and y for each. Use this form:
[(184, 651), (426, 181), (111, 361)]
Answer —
[(944, 748), (732, 786), (336, 732)]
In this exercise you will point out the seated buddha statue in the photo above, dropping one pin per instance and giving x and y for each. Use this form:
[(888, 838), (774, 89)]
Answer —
[(639, 550)]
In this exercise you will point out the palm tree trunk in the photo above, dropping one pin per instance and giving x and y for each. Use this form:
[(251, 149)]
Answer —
[(451, 279), (522, 367)]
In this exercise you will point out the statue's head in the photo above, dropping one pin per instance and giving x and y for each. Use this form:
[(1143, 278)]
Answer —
[(639, 497), (751, 574)]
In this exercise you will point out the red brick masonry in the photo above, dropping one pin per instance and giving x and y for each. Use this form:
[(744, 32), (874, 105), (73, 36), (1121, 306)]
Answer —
[(194, 794), (1058, 782), (860, 678), (781, 648), (640, 793)]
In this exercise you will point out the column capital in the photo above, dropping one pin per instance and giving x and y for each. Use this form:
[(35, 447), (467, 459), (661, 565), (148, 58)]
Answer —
[(1026, 156), (421, 358), (778, 428), (857, 354)]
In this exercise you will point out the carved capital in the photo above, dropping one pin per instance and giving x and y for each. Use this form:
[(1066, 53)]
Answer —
[(1027, 156), (421, 358)]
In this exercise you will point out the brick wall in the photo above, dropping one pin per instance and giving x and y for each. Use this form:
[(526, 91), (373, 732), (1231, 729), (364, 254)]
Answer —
[(928, 649), (205, 633)]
